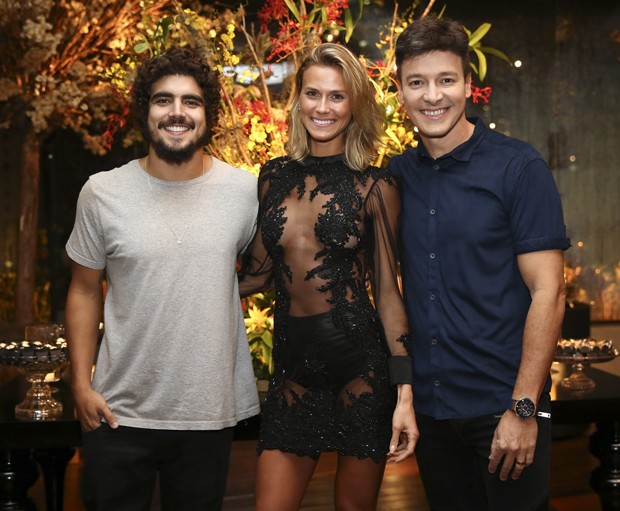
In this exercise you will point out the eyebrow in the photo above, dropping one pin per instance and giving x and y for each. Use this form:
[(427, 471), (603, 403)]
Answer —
[(165, 94), (441, 74), (316, 89)]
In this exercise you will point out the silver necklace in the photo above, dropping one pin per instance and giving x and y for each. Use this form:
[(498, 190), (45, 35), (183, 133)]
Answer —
[(177, 238)]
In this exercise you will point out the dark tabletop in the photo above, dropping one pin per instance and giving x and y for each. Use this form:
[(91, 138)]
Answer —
[(602, 404)]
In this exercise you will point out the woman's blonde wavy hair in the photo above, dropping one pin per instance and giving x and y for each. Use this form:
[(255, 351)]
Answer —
[(363, 134)]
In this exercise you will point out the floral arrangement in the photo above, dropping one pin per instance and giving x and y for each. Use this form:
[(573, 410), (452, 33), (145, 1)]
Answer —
[(252, 126), (258, 311)]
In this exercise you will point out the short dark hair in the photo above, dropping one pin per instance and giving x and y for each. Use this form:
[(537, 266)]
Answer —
[(433, 34), (176, 61)]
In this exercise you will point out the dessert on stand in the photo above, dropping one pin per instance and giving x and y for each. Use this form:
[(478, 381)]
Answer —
[(581, 353), (36, 360)]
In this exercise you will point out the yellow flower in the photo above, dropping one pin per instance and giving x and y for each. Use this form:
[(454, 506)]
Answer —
[(258, 320)]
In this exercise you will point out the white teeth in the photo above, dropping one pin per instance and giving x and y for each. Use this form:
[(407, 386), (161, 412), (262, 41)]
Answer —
[(322, 122), (434, 112), (177, 128)]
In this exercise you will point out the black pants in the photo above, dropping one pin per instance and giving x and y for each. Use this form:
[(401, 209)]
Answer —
[(121, 467), (453, 457)]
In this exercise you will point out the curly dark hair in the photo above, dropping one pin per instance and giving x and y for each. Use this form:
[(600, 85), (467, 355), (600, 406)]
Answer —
[(182, 62)]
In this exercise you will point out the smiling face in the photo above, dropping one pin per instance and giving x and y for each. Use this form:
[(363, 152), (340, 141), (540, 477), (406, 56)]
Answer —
[(434, 92), (177, 125), (325, 109)]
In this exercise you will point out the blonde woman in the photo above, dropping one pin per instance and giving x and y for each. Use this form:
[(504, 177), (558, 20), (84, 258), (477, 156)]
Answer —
[(327, 228)]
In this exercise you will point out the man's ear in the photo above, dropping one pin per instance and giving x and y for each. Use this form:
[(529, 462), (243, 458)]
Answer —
[(468, 85)]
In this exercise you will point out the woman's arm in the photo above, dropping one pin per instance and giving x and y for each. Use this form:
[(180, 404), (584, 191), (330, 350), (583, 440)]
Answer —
[(383, 205), (255, 266)]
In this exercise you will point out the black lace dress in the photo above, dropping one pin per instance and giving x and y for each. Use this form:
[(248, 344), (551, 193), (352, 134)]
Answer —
[(324, 233)]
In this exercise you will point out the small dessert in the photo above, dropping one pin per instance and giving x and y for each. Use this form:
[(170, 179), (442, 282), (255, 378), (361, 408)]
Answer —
[(585, 349), (34, 355)]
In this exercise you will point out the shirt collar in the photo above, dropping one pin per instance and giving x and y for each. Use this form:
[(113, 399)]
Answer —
[(464, 151)]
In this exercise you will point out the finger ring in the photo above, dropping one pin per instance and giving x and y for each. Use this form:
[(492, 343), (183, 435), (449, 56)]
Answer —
[(520, 463)]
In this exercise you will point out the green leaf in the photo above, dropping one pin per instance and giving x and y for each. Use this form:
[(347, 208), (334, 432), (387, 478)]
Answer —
[(324, 15), (482, 64), (338, 28), (142, 47), (165, 27), (267, 350), (361, 6), (268, 339), (479, 33), (348, 23), (497, 53), (392, 136), (293, 8)]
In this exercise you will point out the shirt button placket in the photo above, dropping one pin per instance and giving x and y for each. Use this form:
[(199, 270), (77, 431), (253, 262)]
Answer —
[(434, 280)]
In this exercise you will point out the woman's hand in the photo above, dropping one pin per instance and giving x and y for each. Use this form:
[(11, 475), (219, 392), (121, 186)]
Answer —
[(405, 431)]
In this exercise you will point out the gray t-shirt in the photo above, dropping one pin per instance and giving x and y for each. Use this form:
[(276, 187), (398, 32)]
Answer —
[(175, 353)]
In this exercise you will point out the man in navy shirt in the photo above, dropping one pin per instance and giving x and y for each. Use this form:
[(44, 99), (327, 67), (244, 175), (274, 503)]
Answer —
[(483, 238)]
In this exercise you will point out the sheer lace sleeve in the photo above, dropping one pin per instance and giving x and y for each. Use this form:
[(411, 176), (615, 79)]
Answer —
[(256, 273), (383, 206)]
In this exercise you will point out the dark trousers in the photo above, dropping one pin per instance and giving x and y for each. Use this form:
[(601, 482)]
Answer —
[(121, 467), (453, 458)]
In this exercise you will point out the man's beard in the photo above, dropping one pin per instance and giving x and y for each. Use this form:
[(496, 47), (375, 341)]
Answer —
[(170, 153)]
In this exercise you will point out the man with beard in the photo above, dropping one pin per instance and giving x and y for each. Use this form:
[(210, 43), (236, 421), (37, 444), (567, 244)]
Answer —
[(173, 373)]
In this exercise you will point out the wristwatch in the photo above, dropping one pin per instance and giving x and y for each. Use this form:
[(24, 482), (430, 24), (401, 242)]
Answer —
[(524, 408)]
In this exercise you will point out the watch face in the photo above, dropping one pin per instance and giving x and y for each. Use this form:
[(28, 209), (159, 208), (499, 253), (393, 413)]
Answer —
[(525, 408)]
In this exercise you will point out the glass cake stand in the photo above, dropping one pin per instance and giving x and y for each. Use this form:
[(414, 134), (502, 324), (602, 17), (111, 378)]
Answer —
[(581, 353), (39, 403), (42, 353)]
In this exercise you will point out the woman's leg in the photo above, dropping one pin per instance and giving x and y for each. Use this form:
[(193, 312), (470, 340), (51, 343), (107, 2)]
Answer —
[(357, 484), (281, 480)]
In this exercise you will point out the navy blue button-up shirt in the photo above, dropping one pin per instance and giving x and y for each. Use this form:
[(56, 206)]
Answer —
[(465, 217)]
